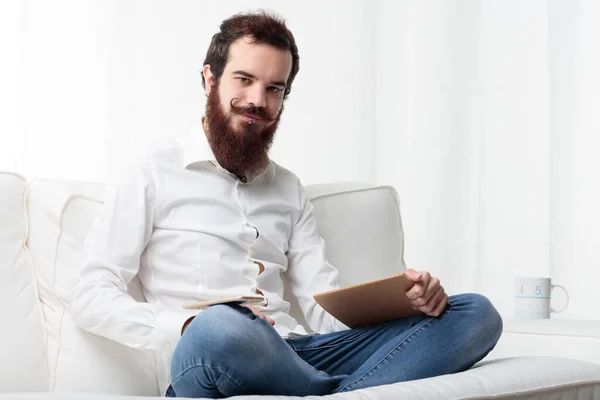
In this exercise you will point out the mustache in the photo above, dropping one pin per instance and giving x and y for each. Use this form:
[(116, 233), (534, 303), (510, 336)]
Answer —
[(260, 112)]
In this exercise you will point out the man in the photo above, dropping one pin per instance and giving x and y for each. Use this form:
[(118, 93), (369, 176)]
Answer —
[(213, 217)]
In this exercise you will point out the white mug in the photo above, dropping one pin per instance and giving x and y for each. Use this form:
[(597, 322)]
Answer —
[(533, 298)]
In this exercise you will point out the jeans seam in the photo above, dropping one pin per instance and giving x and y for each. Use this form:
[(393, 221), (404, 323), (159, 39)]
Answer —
[(387, 356), (211, 368), (337, 344)]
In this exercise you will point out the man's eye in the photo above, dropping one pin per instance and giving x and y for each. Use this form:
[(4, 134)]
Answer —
[(243, 80), (274, 89)]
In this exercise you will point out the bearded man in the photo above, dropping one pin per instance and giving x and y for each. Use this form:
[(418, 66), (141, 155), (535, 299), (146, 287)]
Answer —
[(213, 217)]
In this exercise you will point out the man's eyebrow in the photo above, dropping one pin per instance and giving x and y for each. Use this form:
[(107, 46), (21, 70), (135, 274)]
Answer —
[(249, 75)]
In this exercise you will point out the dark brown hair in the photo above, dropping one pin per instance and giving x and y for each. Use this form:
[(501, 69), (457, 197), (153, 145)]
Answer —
[(262, 28)]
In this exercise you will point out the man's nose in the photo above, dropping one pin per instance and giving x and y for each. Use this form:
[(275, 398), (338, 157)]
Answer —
[(256, 96)]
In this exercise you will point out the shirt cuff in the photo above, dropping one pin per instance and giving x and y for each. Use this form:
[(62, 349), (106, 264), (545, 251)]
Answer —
[(168, 328)]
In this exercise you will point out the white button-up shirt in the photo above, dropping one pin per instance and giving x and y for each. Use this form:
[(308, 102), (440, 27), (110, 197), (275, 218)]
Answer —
[(191, 231)]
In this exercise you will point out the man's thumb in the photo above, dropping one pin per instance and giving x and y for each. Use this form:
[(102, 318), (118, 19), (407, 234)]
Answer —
[(413, 275)]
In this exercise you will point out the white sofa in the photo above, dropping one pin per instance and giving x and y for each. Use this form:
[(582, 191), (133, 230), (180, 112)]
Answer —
[(43, 224)]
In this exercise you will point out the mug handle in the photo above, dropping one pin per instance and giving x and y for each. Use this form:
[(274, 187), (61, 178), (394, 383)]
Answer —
[(566, 294)]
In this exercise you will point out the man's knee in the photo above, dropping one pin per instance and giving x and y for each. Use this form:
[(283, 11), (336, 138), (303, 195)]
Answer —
[(217, 333), (486, 322), (217, 321)]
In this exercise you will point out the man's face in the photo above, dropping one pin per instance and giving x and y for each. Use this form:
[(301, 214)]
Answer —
[(245, 104)]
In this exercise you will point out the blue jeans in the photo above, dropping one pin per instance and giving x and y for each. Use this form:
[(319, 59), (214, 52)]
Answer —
[(228, 351)]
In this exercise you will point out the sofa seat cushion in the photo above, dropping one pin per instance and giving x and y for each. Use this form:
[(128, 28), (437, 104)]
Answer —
[(523, 378), (22, 359), (577, 339)]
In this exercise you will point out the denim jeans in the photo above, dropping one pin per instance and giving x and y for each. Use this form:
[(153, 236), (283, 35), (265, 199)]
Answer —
[(228, 351)]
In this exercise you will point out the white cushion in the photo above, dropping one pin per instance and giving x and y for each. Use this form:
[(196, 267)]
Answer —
[(527, 378), (362, 228), (577, 339), (523, 378), (22, 362), (61, 214)]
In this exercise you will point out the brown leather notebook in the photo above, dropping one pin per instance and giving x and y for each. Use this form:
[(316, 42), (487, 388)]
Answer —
[(369, 303)]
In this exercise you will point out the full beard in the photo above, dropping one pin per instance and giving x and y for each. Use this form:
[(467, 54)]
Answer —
[(244, 150)]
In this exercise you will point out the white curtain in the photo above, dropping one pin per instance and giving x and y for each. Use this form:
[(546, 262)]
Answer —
[(483, 114), (488, 124)]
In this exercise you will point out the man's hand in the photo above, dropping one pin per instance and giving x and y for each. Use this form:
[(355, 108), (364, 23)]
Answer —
[(426, 295), (259, 314)]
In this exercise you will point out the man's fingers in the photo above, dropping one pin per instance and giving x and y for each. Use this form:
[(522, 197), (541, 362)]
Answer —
[(437, 307), (427, 294), (416, 291), (430, 291), (440, 307), (433, 301), (420, 286)]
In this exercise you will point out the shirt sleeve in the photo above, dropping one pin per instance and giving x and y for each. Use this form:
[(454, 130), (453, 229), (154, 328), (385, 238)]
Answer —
[(309, 271), (99, 302)]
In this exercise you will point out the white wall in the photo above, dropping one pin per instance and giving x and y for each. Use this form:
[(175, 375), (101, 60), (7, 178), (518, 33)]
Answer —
[(101, 80)]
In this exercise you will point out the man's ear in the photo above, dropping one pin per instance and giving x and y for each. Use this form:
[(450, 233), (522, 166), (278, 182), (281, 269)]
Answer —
[(209, 78)]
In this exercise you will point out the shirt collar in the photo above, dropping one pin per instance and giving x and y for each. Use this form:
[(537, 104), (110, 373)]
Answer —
[(197, 150)]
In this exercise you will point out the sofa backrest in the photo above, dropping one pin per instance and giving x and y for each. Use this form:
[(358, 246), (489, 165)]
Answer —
[(360, 223), (22, 350), (61, 213), (362, 228)]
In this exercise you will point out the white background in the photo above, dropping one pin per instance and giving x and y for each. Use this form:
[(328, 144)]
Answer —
[(483, 114)]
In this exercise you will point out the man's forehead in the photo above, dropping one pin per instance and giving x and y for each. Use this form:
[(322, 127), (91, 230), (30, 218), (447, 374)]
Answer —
[(259, 59)]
